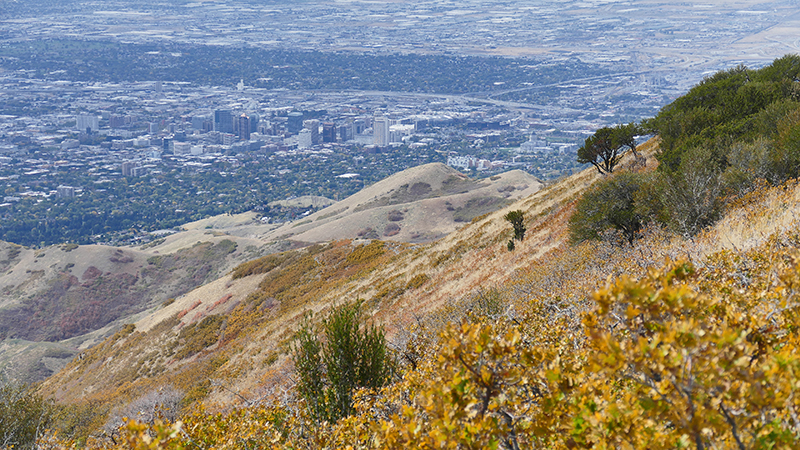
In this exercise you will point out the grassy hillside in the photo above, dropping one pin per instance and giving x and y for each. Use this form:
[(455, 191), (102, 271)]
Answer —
[(72, 297), (58, 301), (675, 338), (229, 347), (420, 204), (230, 339)]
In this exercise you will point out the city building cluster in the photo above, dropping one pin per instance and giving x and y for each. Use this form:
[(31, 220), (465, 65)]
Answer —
[(132, 129)]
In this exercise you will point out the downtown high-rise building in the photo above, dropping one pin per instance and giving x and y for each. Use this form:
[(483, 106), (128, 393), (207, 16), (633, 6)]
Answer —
[(328, 132), (223, 121), (312, 125), (244, 128), (87, 122), (346, 132), (304, 139), (254, 120), (380, 131), (294, 121)]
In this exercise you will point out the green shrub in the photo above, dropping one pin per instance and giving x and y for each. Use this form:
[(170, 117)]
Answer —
[(748, 164), (24, 416), (693, 197), (785, 158), (348, 357), (610, 205)]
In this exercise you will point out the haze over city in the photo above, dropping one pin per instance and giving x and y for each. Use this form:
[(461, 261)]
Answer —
[(324, 98)]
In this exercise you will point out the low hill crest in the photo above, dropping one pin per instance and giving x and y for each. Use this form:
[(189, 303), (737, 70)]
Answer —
[(419, 204), (428, 205)]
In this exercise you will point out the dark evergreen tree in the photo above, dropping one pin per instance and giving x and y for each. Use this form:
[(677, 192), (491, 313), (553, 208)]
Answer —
[(517, 220)]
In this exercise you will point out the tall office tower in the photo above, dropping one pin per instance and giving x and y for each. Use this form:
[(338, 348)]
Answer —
[(294, 122), (313, 126), (328, 132), (380, 131), (127, 168), (346, 132), (304, 138), (223, 121), (244, 128), (254, 119), (87, 122)]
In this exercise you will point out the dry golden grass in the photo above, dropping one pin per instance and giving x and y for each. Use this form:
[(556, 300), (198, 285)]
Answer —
[(400, 284), (751, 220), (424, 219)]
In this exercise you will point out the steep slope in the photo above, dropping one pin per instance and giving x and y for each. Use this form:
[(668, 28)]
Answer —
[(75, 296), (237, 330), (227, 343), (57, 301)]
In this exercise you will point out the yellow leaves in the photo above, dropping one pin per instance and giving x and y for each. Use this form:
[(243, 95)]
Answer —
[(137, 436), (695, 363), (742, 362), (632, 312), (485, 388), (675, 358)]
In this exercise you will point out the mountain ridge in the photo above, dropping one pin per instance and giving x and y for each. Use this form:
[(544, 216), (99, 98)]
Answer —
[(36, 280), (652, 304), (394, 273)]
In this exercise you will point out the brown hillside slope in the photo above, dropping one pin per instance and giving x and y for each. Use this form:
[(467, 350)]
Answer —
[(419, 204), (229, 341), (241, 341), (77, 296), (57, 301)]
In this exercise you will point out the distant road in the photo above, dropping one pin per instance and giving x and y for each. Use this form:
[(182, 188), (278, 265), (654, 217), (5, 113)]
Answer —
[(483, 97), (560, 83), (466, 98)]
